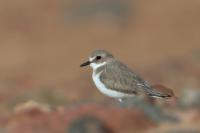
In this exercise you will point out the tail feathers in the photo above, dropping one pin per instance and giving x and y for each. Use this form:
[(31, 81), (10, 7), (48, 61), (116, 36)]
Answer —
[(160, 95), (159, 91)]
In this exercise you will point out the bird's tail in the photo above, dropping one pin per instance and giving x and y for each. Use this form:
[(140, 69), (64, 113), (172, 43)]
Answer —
[(160, 91), (159, 95)]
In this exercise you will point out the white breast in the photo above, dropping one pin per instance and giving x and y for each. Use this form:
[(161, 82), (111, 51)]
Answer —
[(102, 88)]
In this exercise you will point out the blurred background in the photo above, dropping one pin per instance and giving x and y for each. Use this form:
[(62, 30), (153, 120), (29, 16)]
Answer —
[(43, 42)]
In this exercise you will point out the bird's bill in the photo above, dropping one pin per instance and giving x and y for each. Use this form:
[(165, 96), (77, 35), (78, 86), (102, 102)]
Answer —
[(85, 64)]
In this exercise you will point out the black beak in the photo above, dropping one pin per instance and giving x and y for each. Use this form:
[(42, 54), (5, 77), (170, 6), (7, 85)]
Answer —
[(85, 64)]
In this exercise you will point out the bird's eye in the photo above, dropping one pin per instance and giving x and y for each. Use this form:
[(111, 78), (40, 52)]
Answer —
[(98, 57)]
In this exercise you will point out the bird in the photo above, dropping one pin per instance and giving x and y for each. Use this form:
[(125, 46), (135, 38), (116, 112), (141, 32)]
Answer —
[(114, 79)]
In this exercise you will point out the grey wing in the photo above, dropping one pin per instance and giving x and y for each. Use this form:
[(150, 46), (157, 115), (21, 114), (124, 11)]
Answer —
[(121, 78)]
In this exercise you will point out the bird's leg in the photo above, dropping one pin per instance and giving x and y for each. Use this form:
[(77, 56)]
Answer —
[(120, 100)]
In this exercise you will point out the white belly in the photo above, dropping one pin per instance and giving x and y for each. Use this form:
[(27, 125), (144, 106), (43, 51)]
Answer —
[(102, 88)]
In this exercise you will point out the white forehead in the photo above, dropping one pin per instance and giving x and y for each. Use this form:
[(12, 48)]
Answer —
[(91, 58)]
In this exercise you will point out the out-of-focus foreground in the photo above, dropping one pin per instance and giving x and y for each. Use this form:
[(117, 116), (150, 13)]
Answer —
[(43, 42)]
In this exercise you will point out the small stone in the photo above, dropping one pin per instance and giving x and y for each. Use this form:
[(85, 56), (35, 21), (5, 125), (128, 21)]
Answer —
[(32, 105), (189, 98), (87, 124)]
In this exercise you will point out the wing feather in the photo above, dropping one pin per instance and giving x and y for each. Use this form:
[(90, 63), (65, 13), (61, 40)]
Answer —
[(120, 78)]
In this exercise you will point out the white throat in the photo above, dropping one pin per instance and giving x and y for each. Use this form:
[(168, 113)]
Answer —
[(96, 66)]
